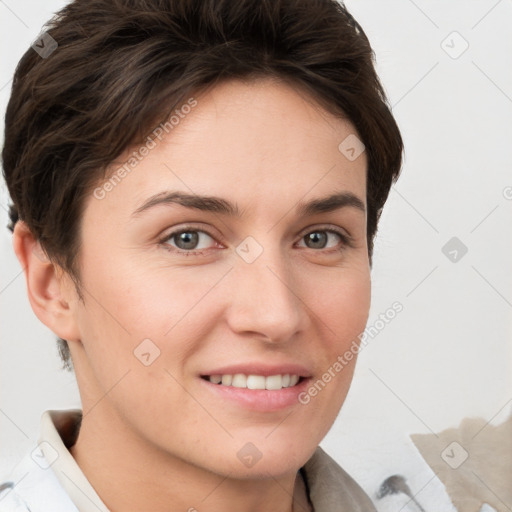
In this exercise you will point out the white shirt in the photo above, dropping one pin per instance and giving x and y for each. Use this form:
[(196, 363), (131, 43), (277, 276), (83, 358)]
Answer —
[(48, 477)]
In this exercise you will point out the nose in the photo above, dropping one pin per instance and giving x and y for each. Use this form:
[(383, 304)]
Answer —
[(265, 298)]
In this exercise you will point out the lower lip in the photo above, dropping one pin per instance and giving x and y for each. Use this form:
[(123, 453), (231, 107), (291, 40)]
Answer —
[(261, 400)]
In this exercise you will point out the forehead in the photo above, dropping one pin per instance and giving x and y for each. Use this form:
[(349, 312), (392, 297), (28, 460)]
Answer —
[(262, 143)]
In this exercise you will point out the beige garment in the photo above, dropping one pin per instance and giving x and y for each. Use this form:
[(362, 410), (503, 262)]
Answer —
[(474, 462), (331, 488)]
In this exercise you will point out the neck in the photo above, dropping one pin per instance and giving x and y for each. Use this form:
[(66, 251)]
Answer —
[(130, 474)]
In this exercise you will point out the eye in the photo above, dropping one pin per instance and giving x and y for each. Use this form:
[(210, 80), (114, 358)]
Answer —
[(326, 239), (187, 241)]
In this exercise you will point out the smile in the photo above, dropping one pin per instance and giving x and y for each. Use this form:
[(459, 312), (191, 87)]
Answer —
[(240, 380)]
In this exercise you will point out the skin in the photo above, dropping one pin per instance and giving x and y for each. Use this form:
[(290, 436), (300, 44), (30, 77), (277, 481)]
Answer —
[(265, 147)]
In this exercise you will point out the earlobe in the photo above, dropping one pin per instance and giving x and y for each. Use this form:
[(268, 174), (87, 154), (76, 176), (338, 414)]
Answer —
[(50, 296)]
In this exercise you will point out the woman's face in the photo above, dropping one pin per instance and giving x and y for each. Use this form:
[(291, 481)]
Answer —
[(267, 280)]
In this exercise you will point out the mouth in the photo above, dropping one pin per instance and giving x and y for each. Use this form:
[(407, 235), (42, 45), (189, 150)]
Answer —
[(254, 382), (258, 388)]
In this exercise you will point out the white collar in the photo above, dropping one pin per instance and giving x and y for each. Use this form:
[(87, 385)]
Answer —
[(57, 428)]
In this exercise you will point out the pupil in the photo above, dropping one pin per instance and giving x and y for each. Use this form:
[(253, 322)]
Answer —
[(187, 239), (319, 239)]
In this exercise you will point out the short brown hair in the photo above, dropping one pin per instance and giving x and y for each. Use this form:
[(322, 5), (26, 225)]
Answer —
[(118, 62)]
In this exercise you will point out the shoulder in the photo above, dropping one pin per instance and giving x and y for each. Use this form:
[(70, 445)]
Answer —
[(331, 488)]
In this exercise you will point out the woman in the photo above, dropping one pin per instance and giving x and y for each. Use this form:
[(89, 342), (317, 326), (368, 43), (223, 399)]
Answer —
[(196, 187)]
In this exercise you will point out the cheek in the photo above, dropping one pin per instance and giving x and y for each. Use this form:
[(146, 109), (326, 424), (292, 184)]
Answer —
[(341, 307), (342, 304), (128, 303), (354, 306)]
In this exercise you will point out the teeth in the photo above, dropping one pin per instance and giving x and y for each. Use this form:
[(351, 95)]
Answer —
[(226, 380), (275, 382), (256, 382), (239, 380)]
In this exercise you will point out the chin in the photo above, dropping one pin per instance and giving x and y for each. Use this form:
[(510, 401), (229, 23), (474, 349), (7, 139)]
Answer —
[(267, 455), (271, 466)]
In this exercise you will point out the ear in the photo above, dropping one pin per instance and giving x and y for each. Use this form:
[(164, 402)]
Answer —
[(50, 290)]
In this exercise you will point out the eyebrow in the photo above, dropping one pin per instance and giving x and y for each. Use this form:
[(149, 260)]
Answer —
[(220, 205)]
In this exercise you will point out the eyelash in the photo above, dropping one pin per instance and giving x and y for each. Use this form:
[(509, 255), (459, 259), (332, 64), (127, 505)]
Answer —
[(346, 240)]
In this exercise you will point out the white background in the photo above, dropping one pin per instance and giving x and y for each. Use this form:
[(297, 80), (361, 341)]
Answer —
[(448, 354)]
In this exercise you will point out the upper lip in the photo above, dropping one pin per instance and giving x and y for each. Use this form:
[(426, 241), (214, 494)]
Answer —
[(260, 369)]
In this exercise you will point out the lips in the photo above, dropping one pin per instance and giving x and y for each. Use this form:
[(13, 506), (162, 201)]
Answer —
[(258, 387)]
